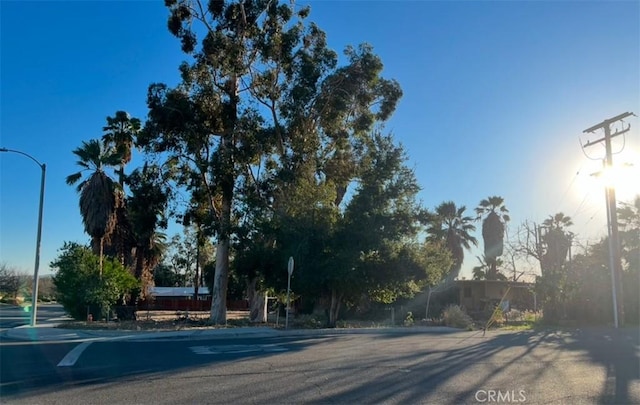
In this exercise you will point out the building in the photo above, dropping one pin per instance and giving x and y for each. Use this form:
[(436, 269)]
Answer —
[(478, 295), (182, 299), (178, 298), (160, 293)]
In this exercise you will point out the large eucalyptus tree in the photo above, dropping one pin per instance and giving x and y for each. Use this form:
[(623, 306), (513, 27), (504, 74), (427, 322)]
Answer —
[(260, 94)]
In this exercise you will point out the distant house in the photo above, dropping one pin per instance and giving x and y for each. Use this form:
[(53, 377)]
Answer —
[(173, 293), (477, 295), (182, 298)]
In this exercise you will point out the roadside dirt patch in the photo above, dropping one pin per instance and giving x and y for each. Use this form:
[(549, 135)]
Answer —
[(165, 320)]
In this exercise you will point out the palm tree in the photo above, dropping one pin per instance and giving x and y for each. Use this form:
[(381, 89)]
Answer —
[(119, 133), (557, 239), (146, 209), (495, 217), (449, 224), (558, 221), (98, 201), (482, 271)]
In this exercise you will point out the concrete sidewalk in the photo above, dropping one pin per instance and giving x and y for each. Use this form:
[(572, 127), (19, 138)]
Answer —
[(50, 333)]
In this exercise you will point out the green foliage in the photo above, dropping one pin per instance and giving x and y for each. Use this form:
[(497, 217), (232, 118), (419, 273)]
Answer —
[(165, 276), (496, 317), (552, 285), (97, 191), (456, 317), (212, 129), (79, 284), (495, 217), (580, 290), (484, 270), (308, 321), (629, 218), (408, 320), (371, 251), (449, 225)]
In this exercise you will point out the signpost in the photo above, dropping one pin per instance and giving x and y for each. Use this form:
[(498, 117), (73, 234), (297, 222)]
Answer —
[(290, 271)]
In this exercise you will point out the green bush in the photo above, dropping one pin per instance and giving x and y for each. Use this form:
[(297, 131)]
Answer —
[(307, 321), (456, 317), (408, 321), (79, 286), (497, 317)]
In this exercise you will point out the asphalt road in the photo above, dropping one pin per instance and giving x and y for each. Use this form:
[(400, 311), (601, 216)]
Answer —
[(587, 366), (12, 316)]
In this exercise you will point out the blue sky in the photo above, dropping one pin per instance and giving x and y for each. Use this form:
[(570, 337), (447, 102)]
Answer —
[(496, 96)]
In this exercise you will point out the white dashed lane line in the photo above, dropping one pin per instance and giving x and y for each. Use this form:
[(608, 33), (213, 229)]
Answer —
[(72, 357)]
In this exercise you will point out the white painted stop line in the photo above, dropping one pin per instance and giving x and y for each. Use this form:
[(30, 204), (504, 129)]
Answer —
[(237, 349)]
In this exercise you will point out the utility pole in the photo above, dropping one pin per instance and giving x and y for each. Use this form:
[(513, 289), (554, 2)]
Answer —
[(612, 215)]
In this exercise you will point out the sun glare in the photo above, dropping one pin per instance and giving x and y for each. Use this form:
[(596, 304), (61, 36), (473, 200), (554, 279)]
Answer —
[(624, 177)]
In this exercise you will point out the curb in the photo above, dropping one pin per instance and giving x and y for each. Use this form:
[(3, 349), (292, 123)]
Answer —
[(26, 333)]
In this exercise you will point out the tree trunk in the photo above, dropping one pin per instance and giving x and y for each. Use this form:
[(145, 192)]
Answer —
[(227, 184), (492, 273), (143, 274), (334, 309), (196, 279), (137, 273), (101, 255), (257, 302), (221, 277)]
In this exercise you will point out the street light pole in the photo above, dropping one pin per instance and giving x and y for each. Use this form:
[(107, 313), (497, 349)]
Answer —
[(34, 294)]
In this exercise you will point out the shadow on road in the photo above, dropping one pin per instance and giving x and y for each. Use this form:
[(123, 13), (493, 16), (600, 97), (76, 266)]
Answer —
[(120, 361), (526, 360), (617, 351)]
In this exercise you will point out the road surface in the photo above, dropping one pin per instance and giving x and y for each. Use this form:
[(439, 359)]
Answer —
[(12, 316), (583, 366)]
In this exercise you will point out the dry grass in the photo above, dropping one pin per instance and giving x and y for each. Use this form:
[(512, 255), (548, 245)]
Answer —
[(165, 320)]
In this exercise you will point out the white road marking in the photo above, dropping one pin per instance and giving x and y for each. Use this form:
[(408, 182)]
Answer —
[(73, 356), (236, 349)]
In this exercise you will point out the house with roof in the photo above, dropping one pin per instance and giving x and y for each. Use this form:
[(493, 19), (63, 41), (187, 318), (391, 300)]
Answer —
[(478, 295)]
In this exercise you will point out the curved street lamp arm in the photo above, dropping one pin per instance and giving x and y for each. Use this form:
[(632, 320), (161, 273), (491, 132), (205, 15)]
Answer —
[(23, 154)]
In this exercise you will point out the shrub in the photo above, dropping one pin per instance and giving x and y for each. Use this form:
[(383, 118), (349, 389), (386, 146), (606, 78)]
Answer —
[(307, 321), (497, 317), (408, 321), (79, 285), (456, 317)]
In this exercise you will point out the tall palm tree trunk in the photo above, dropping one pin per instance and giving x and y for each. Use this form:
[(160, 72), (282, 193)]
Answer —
[(101, 255)]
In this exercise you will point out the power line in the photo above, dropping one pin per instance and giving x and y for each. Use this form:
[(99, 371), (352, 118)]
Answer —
[(564, 195), (597, 211), (581, 204)]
